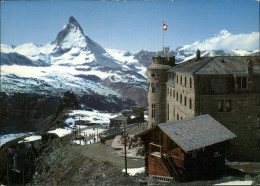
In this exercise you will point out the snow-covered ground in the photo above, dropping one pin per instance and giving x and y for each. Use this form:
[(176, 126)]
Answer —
[(236, 183), (96, 117), (61, 132), (31, 138), (8, 137), (91, 116), (134, 171), (54, 77), (91, 135), (102, 119)]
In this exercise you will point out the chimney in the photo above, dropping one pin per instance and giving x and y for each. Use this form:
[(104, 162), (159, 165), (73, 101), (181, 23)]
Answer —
[(249, 66), (198, 55)]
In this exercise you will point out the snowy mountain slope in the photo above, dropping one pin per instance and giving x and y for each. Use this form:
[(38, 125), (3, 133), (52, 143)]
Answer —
[(76, 63), (79, 64), (209, 47)]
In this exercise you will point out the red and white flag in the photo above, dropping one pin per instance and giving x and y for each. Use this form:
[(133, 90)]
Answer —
[(165, 27)]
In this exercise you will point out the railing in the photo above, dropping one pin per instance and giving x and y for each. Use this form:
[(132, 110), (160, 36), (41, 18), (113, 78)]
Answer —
[(162, 178), (155, 150)]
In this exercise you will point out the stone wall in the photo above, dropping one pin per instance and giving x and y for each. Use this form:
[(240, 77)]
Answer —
[(241, 120)]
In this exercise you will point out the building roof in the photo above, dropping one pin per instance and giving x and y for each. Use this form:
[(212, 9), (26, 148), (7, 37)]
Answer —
[(216, 65), (197, 132), (119, 118)]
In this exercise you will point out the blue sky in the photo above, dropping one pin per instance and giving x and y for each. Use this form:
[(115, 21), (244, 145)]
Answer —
[(130, 25)]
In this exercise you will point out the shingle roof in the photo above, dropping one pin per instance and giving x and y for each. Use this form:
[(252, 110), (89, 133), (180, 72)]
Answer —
[(120, 117), (195, 133), (215, 65)]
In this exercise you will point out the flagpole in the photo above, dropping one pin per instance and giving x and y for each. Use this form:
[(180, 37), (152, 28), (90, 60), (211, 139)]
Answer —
[(163, 35)]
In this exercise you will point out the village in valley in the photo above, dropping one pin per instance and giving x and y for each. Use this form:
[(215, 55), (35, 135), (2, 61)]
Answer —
[(164, 118)]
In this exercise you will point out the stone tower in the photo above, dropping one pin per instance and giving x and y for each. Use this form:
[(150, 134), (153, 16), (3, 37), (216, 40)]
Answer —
[(156, 81)]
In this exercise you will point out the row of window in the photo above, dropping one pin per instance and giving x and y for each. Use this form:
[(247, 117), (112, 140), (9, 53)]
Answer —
[(224, 106), (168, 113), (179, 80), (171, 93)]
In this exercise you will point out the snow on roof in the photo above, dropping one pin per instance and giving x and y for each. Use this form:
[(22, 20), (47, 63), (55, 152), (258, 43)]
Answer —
[(134, 171)]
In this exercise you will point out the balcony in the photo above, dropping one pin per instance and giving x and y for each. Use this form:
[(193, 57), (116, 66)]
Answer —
[(155, 150)]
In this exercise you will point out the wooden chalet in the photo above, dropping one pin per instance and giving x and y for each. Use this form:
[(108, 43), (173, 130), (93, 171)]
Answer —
[(186, 150)]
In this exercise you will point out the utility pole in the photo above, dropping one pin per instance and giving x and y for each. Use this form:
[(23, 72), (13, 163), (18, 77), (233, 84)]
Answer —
[(124, 127)]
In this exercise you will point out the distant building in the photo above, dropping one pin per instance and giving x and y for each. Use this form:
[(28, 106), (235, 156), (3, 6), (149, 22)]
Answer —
[(186, 150), (136, 115), (226, 88)]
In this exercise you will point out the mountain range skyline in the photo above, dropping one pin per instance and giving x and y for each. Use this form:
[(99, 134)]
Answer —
[(133, 26)]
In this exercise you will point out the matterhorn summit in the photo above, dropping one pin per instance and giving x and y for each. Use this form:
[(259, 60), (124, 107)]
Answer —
[(71, 35), (73, 47)]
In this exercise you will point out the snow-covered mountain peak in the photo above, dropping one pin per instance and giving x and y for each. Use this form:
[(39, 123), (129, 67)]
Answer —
[(223, 33), (71, 36)]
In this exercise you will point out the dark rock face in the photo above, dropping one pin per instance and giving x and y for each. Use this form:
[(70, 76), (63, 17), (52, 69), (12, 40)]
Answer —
[(27, 112), (94, 78), (102, 103), (23, 111), (14, 58)]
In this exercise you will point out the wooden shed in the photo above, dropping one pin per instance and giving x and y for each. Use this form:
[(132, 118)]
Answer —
[(186, 150)]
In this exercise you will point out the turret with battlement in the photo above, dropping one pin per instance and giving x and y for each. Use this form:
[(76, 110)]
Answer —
[(156, 80)]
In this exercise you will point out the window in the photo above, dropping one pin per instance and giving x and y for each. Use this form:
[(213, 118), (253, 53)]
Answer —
[(152, 75), (185, 82), (228, 106), (170, 92), (241, 82), (153, 110), (220, 106), (190, 83), (185, 101), (181, 80), (173, 112), (177, 96), (190, 104), (173, 94), (181, 98), (153, 89), (177, 116), (181, 118)]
